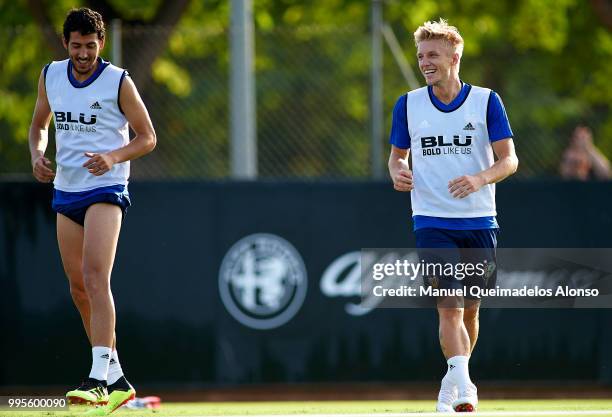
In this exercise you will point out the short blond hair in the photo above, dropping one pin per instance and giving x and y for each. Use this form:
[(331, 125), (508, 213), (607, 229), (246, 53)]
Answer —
[(440, 30)]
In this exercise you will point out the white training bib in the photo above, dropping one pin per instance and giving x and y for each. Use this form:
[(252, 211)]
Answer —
[(87, 119), (447, 145)]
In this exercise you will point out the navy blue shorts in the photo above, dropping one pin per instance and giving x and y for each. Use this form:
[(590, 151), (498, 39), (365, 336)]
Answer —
[(74, 205), (475, 247)]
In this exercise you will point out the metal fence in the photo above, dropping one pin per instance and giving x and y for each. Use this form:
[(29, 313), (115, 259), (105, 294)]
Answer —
[(188, 100), (313, 105), (312, 88)]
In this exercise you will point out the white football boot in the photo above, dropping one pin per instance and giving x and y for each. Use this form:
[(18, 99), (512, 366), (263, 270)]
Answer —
[(467, 401), (447, 395)]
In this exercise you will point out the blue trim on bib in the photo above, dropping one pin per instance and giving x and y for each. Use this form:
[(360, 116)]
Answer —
[(453, 105), (119, 91), (102, 64), (45, 69), (74, 205), (448, 223)]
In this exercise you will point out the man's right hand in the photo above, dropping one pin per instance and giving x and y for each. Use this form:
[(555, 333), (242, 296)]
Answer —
[(41, 170), (402, 180)]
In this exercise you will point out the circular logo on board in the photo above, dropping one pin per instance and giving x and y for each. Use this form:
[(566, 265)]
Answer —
[(262, 281)]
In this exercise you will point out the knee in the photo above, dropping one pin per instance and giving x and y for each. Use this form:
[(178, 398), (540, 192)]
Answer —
[(452, 316), (77, 289), (470, 315), (78, 293), (96, 283), (75, 275)]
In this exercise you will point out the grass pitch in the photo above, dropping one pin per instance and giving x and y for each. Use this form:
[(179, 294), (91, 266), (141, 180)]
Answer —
[(581, 407)]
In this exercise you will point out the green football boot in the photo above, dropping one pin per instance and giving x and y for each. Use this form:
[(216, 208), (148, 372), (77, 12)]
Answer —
[(119, 393), (91, 392)]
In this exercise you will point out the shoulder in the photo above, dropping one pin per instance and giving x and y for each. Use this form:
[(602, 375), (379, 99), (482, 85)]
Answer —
[(56, 65), (417, 92), (481, 91), (416, 98), (54, 72), (63, 62), (114, 68), (401, 102), (115, 71)]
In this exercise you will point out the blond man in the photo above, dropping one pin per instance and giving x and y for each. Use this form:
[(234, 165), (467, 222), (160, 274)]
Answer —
[(453, 129)]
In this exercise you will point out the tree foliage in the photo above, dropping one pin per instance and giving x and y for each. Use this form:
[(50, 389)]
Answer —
[(548, 59)]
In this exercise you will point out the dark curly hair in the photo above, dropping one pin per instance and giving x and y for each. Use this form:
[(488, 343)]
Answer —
[(85, 21)]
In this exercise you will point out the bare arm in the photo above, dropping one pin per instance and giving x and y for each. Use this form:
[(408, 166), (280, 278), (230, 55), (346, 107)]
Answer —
[(599, 163), (506, 165), (582, 141), (38, 136), (139, 120), (399, 170)]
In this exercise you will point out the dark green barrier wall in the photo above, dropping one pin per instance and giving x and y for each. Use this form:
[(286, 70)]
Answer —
[(173, 327)]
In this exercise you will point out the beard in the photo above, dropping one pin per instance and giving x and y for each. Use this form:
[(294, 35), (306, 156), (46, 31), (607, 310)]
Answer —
[(83, 67)]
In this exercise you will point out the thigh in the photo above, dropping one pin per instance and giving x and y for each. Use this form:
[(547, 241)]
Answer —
[(483, 239), (480, 247), (70, 242), (432, 238), (437, 249), (101, 233)]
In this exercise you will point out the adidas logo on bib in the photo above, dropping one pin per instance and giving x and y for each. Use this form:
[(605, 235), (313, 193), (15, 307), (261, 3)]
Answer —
[(96, 106), (467, 126)]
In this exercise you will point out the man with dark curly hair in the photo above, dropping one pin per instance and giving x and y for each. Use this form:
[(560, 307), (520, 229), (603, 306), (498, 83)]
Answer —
[(92, 103)]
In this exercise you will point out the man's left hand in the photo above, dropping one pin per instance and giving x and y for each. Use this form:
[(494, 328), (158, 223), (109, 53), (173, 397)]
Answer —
[(465, 185), (98, 163)]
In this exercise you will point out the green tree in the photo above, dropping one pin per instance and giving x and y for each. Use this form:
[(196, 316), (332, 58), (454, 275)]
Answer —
[(548, 59)]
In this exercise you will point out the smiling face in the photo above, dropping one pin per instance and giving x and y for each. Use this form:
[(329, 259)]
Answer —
[(83, 51), (437, 61)]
